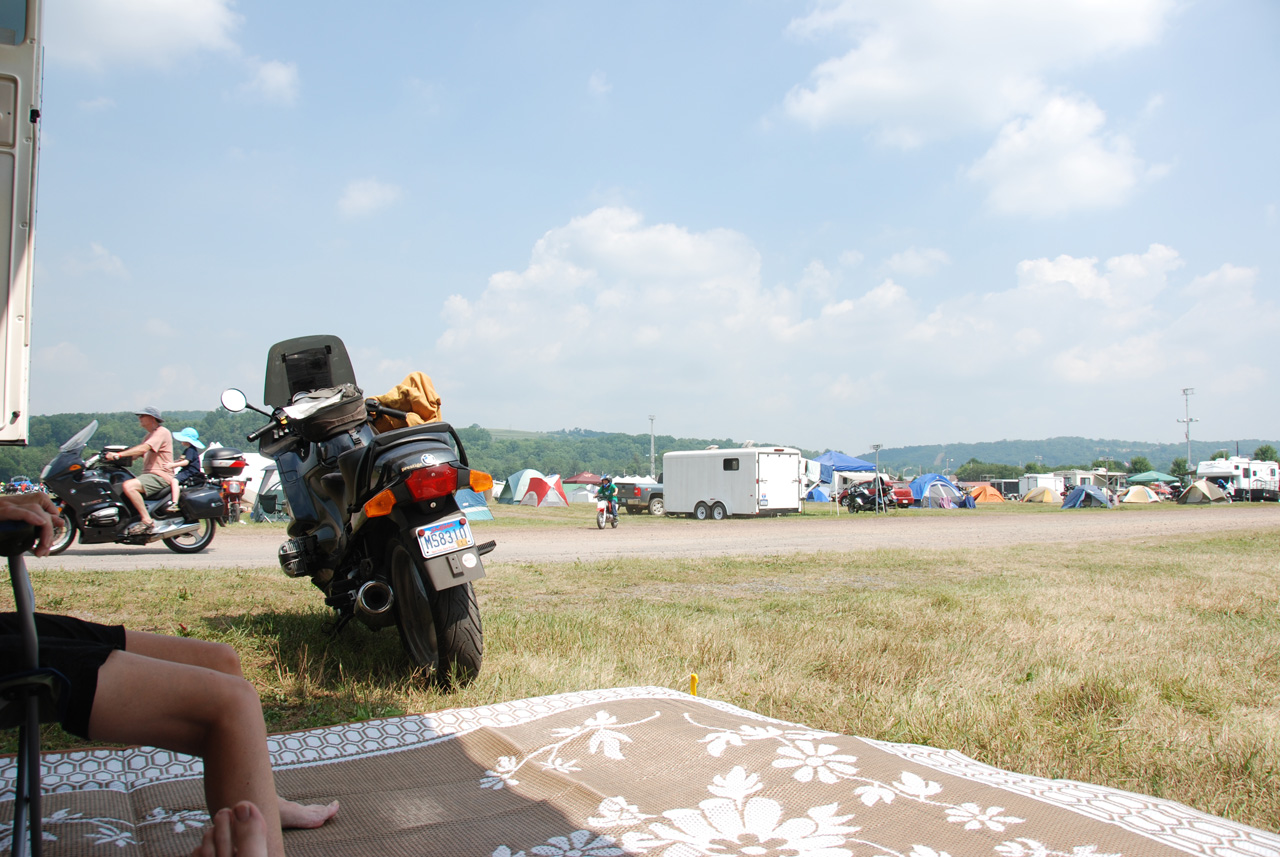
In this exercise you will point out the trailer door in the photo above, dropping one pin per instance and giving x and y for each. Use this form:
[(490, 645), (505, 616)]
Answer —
[(19, 112), (778, 482)]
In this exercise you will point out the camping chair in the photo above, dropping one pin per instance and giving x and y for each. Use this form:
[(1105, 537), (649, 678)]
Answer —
[(29, 697), (268, 507)]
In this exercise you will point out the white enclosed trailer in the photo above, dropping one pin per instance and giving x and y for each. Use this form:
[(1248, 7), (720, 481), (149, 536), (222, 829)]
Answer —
[(717, 483)]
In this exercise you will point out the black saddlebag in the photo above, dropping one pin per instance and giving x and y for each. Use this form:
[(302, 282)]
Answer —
[(203, 502)]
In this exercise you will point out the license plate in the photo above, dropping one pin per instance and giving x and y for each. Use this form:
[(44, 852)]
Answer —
[(445, 537)]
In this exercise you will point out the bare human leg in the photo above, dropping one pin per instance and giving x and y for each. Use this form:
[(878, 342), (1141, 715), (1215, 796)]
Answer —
[(193, 710), (223, 659)]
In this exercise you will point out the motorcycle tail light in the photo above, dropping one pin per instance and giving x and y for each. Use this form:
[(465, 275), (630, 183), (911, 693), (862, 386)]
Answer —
[(429, 483)]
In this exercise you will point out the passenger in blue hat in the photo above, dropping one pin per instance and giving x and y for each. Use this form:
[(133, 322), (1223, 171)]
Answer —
[(188, 464)]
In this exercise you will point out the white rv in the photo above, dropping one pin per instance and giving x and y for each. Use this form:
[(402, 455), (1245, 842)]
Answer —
[(1245, 479), (717, 483)]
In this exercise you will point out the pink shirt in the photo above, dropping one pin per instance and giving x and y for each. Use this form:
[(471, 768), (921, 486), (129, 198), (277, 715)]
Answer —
[(159, 446)]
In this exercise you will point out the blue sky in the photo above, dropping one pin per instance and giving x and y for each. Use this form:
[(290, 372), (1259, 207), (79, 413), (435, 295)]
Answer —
[(829, 224)]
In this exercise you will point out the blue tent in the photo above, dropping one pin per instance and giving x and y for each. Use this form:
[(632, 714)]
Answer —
[(472, 504), (1086, 495), (832, 461), (935, 485), (818, 494)]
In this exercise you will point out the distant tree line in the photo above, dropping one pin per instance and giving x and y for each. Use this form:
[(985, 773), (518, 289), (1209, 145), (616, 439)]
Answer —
[(570, 451), (48, 433), (563, 452)]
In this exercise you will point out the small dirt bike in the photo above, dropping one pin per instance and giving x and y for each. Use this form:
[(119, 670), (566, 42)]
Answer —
[(606, 510)]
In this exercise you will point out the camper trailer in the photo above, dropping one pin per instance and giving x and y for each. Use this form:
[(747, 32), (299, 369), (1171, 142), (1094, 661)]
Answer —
[(1244, 478), (717, 483)]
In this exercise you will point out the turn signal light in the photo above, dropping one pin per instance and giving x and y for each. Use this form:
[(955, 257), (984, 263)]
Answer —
[(481, 481), (380, 504)]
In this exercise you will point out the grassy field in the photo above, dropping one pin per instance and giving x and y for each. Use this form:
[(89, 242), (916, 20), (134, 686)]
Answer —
[(1153, 667)]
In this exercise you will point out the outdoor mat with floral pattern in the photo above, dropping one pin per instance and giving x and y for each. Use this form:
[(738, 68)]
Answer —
[(625, 771)]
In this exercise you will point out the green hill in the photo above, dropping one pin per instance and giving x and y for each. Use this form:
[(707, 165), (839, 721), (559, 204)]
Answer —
[(568, 451)]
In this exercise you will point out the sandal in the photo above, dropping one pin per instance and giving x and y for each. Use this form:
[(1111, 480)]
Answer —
[(138, 528)]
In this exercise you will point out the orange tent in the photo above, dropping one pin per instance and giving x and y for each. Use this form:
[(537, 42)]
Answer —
[(985, 494)]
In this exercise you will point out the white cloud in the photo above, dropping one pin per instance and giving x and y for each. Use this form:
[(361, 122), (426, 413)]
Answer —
[(919, 69), (598, 84), (1058, 160), (274, 81), (914, 262), (98, 33), (97, 261), (367, 196), (97, 105)]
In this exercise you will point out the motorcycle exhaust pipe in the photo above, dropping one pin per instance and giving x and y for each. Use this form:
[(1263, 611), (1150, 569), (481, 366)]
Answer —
[(374, 600)]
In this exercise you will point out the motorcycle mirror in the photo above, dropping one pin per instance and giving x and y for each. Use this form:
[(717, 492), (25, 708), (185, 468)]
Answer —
[(234, 400)]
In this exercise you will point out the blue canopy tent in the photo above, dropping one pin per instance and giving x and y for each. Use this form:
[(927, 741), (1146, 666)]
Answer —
[(1086, 495), (832, 461)]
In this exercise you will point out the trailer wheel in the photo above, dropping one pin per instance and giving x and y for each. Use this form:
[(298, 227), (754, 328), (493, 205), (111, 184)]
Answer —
[(718, 513), (701, 512)]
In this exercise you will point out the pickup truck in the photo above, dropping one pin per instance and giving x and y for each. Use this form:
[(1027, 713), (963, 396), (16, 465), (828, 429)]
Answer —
[(638, 497)]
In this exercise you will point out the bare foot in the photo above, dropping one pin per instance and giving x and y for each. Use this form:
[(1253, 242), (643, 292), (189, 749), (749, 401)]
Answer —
[(305, 815), (237, 832)]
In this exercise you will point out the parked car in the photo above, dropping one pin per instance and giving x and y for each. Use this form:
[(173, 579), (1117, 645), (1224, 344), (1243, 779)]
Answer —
[(901, 494)]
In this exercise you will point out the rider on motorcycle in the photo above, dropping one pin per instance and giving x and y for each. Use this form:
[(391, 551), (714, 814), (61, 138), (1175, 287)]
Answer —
[(156, 450), (608, 491)]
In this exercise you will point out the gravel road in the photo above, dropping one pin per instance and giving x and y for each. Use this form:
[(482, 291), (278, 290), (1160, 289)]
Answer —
[(255, 547)]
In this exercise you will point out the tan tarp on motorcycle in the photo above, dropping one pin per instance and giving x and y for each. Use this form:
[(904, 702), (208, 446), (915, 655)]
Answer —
[(415, 395)]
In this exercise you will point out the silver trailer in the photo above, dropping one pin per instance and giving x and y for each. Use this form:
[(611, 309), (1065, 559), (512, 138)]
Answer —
[(717, 483)]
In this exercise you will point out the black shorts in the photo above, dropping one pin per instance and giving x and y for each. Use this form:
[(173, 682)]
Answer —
[(73, 647)]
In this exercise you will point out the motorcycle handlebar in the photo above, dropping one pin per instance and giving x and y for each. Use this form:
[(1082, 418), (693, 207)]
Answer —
[(375, 407), (260, 433)]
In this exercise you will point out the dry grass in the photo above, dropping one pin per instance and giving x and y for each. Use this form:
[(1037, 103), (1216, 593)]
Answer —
[(1153, 667)]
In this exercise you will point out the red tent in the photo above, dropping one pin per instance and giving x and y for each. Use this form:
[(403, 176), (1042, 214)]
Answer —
[(544, 492), (586, 477)]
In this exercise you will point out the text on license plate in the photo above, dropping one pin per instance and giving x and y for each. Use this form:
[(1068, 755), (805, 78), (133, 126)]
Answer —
[(445, 537)]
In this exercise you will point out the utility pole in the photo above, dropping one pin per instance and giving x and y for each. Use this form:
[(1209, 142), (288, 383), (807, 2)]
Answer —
[(879, 484), (1187, 393), (653, 474)]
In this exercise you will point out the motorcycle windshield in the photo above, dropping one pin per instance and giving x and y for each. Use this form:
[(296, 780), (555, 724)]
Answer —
[(80, 439), (69, 452)]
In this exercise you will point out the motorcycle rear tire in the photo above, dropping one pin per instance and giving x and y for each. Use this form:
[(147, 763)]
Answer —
[(613, 522), (199, 539), (63, 540), (453, 616)]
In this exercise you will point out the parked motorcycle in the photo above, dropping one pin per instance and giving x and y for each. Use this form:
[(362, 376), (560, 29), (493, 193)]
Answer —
[(606, 511), (861, 498), (91, 501), (374, 521)]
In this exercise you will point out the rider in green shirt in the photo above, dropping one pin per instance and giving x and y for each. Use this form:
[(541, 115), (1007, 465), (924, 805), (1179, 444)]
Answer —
[(608, 491)]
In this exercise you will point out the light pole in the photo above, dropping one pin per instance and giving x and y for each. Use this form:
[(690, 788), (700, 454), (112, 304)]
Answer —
[(1187, 393), (879, 485), (652, 473)]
